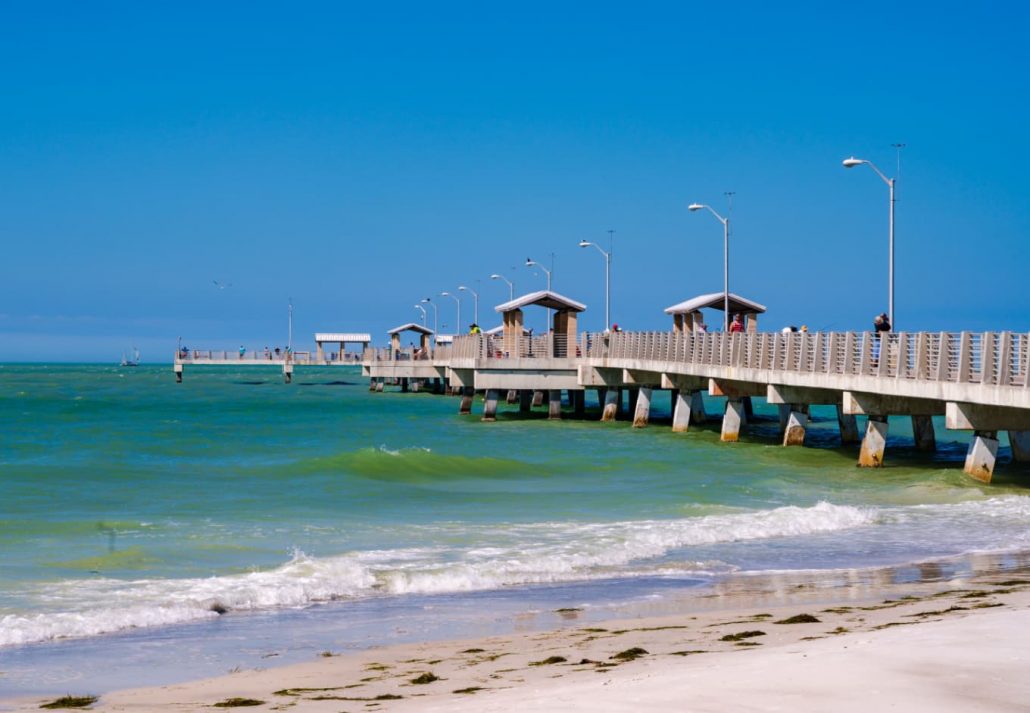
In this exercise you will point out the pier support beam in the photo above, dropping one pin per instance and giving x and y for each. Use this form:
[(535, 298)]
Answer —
[(732, 420), (467, 394), (380, 384), (1020, 442), (288, 373), (178, 373), (871, 455), (538, 398), (797, 422), (983, 450), (697, 409), (404, 385), (922, 431), (848, 426), (554, 404), (642, 412), (682, 410), (525, 400), (611, 404), (513, 396), (490, 405)]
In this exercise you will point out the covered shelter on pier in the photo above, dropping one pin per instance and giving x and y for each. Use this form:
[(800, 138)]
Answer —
[(424, 334), (563, 328), (687, 317), (341, 338)]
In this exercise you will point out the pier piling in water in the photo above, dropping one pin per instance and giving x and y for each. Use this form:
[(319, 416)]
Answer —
[(642, 411), (467, 394), (554, 404), (797, 422), (611, 404), (732, 420), (490, 405), (871, 455), (922, 431), (983, 451)]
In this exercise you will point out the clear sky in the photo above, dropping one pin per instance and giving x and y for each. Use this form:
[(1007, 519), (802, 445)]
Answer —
[(357, 157)]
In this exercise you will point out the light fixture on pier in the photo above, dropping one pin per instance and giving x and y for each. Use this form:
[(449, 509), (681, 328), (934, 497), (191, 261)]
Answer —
[(851, 163), (475, 302), (530, 262), (511, 285), (457, 301), (693, 207), (607, 278)]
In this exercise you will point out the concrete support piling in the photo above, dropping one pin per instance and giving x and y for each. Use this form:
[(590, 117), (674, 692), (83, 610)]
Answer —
[(578, 397), (611, 404), (490, 405), (848, 426), (697, 409), (642, 411), (404, 385), (538, 398), (178, 373), (784, 412), (525, 400), (288, 373), (554, 404), (380, 385), (1020, 442), (922, 431), (982, 453), (467, 394), (513, 396), (871, 455), (681, 411), (732, 420), (797, 422)]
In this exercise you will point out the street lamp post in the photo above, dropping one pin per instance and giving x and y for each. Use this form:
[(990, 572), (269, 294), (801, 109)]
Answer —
[(436, 315), (457, 301), (851, 163), (607, 281), (532, 263), (725, 259), (423, 313), (511, 285), (475, 302)]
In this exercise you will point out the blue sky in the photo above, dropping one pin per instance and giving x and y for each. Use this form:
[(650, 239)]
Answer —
[(358, 159)]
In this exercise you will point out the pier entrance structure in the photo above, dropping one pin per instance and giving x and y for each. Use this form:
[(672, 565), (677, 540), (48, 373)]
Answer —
[(686, 316), (341, 338)]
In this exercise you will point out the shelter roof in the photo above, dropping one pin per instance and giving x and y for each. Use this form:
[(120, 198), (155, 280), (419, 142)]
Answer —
[(411, 327), (543, 298), (499, 329), (715, 301), (358, 337)]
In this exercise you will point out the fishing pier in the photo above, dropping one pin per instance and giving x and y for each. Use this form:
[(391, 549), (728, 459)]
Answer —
[(978, 382)]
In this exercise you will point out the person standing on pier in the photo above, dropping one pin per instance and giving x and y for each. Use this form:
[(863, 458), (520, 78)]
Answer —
[(881, 325), (737, 325)]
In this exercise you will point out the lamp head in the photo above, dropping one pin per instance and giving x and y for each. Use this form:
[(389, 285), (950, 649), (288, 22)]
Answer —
[(425, 299), (585, 243), (495, 276), (852, 162), (695, 206), (530, 262), (446, 294), (462, 288)]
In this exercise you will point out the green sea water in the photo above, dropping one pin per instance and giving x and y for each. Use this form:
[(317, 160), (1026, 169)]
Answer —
[(128, 501)]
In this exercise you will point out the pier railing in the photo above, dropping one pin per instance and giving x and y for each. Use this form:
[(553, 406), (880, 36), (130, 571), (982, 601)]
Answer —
[(270, 357), (990, 358)]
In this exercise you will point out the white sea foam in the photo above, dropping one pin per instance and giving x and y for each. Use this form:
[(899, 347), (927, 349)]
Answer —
[(490, 557)]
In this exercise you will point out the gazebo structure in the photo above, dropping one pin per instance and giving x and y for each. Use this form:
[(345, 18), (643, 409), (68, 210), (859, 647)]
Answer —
[(341, 338), (563, 332), (686, 316), (423, 332)]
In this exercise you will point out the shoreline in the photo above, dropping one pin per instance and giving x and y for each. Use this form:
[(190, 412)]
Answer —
[(874, 610)]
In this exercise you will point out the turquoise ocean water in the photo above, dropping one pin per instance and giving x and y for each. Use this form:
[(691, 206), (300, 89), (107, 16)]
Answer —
[(212, 520)]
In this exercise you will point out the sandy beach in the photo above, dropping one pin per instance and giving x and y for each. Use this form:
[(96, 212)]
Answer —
[(950, 645)]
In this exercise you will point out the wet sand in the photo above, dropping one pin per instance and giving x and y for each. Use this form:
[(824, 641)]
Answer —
[(865, 640)]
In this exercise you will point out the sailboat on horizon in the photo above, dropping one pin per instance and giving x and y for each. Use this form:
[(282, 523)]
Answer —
[(131, 362)]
